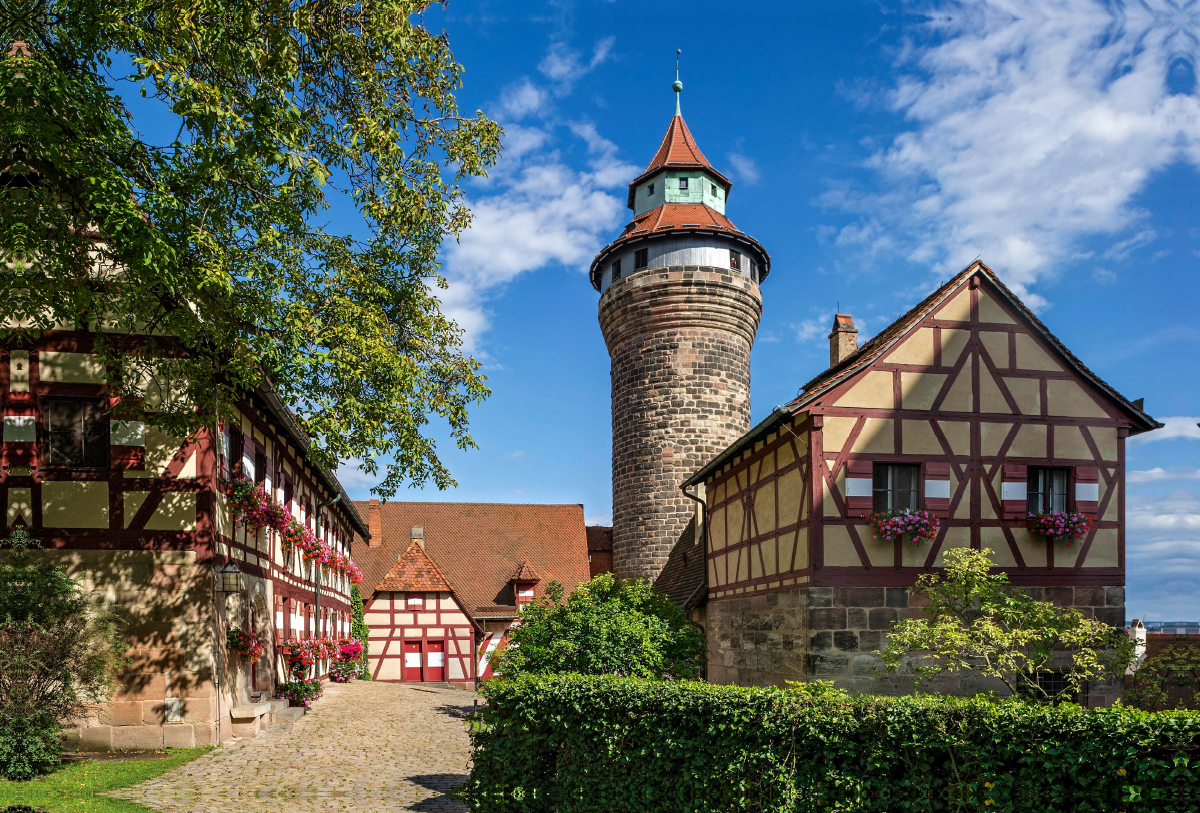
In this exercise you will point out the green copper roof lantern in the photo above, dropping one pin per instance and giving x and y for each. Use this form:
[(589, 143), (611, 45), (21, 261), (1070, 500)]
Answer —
[(677, 86)]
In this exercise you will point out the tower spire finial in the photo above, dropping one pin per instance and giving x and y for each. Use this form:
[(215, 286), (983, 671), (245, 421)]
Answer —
[(677, 86)]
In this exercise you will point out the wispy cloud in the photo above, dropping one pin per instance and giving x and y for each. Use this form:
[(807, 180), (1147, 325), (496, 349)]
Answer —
[(538, 210), (1159, 474), (1033, 124), (1179, 426), (744, 168), (563, 65), (1163, 556)]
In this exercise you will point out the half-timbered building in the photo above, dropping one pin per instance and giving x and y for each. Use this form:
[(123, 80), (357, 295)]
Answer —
[(140, 518), (444, 582), (967, 407)]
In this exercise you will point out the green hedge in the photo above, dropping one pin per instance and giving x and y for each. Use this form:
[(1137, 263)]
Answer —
[(569, 744)]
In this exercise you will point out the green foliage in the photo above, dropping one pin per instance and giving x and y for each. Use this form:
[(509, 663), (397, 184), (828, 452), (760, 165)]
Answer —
[(583, 744), (358, 629), (209, 246), (606, 627), (1168, 679), (76, 787), (300, 692), (978, 621), (58, 657)]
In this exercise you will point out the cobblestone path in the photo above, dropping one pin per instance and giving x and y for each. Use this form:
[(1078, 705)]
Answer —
[(363, 747)]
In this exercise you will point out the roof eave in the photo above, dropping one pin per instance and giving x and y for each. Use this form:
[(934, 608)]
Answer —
[(778, 416), (764, 263)]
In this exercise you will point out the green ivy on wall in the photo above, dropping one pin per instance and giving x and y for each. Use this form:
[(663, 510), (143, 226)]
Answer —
[(358, 628)]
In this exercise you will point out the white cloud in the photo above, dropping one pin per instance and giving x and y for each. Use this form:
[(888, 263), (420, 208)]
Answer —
[(1034, 123), (564, 65), (744, 168), (1122, 249), (809, 330), (537, 209), (1163, 556), (1159, 474), (354, 480), (1180, 426), (1103, 276)]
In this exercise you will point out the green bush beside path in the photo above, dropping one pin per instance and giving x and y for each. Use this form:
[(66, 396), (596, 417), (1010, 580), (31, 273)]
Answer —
[(575, 744)]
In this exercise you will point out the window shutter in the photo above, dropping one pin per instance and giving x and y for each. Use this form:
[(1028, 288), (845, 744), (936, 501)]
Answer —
[(937, 488), (859, 485), (1087, 489), (1014, 490), (248, 452)]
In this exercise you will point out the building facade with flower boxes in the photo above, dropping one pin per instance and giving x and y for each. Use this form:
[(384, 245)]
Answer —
[(444, 582), (145, 522), (963, 424)]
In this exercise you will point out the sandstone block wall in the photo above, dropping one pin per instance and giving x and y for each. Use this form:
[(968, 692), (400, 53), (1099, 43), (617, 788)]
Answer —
[(758, 641), (833, 633), (679, 339)]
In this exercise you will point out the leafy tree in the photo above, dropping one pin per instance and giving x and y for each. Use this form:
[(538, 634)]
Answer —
[(978, 621), (606, 627), (1168, 679), (358, 628), (58, 657), (204, 255)]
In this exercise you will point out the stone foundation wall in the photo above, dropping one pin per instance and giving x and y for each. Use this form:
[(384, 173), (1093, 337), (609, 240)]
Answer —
[(758, 641), (833, 633), (679, 339), (167, 696)]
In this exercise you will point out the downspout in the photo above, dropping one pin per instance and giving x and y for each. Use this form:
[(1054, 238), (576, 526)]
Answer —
[(702, 511), (317, 578)]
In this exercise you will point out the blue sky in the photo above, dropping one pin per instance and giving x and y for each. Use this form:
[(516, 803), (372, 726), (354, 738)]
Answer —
[(875, 150)]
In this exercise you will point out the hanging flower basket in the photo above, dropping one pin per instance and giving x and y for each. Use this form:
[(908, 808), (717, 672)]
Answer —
[(918, 525), (246, 643), (1061, 525)]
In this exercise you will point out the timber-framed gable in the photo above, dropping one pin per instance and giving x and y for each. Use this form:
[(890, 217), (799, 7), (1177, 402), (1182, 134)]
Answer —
[(967, 400)]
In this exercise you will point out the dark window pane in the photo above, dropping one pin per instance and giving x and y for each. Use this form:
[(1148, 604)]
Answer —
[(1058, 489), (683, 183), (616, 270), (76, 432), (735, 260), (640, 259)]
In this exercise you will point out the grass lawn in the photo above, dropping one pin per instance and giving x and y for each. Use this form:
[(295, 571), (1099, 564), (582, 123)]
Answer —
[(73, 787)]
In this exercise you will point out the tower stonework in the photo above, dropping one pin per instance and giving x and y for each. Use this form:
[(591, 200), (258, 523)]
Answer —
[(679, 308)]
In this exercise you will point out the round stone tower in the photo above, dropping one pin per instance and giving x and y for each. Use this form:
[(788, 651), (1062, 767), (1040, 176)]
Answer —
[(679, 308)]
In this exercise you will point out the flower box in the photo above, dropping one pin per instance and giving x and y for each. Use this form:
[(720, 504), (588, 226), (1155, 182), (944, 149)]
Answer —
[(913, 523), (1060, 525)]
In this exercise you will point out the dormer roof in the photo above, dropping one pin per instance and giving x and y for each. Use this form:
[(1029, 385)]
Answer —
[(525, 573), (414, 572), (677, 151)]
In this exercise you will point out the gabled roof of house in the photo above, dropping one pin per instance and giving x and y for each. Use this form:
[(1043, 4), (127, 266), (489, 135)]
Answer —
[(478, 547), (683, 577), (882, 342), (414, 571)]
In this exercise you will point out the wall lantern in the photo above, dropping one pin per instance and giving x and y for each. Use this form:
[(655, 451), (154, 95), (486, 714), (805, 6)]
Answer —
[(229, 578)]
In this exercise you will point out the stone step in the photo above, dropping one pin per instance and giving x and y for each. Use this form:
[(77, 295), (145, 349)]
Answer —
[(250, 711), (290, 714)]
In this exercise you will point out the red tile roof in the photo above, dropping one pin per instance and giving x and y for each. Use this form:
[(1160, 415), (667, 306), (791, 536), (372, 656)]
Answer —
[(478, 546), (414, 571), (672, 218), (599, 537)]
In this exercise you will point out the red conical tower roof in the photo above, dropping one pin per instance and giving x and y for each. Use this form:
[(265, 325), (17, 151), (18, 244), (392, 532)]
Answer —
[(678, 150)]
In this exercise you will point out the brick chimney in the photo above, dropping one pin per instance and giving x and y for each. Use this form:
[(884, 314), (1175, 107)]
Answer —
[(374, 524), (418, 536), (843, 340)]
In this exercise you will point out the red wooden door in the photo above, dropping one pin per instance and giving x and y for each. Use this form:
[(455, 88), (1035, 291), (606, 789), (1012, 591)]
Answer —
[(412, 661), (435, 661)]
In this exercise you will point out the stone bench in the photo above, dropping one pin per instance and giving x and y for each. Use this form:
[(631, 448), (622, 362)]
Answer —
[(250, 719)]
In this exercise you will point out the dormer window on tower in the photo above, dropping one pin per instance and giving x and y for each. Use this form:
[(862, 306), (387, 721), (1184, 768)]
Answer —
[(713, 187), (683, 184), (650, 189), (641, 259)]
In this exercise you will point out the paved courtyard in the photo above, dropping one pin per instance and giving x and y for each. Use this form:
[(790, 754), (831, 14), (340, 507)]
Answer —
[(363, 747)]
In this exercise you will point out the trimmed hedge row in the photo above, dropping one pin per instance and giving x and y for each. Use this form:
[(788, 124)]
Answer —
[(570, 744)]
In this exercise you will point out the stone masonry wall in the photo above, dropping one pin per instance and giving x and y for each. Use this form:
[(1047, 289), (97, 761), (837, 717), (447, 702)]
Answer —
[(679, 339), (832, 633), (847, 625), (758, 641)]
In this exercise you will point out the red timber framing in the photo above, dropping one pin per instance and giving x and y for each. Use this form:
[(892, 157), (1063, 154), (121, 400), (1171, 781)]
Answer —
[(960, 477), (420, 637), (144, 482)]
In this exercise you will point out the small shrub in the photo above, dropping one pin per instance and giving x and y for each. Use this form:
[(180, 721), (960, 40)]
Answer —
[(300, 692)]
